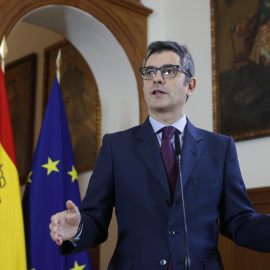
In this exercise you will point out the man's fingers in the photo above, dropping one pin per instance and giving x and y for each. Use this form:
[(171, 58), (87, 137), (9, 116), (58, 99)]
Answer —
[(55, 237), (59, 242), (72, 207), (55, 219), (53, 228)]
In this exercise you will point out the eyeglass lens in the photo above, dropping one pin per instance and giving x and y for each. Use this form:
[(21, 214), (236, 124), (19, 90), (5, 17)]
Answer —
[(168, 71)]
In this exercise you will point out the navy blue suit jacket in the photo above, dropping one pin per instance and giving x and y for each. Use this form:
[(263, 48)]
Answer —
[(129, 174)]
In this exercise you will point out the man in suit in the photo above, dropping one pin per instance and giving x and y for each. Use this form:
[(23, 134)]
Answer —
[(131, 175)]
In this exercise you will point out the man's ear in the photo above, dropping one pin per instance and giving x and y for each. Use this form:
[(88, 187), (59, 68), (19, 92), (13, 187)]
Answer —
[(191, 86)]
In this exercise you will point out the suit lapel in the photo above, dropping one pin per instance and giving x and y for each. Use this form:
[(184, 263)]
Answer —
[(148, 148), (192, 149)]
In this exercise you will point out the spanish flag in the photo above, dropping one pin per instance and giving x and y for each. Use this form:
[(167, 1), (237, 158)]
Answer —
[(12, 242)]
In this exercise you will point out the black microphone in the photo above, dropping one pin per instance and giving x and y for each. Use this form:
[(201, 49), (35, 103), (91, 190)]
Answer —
[(178, 152), (178, 149)]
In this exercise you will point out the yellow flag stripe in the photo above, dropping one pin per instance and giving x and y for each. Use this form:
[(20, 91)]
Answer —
[(12, 241)]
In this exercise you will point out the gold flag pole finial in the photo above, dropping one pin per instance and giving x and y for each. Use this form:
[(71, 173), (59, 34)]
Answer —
[(58, 66), (3, 53)]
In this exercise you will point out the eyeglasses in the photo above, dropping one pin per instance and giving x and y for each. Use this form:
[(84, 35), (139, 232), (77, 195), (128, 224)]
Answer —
[(167, 71)]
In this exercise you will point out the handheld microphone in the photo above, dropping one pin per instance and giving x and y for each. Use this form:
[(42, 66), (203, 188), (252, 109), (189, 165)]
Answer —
[(178, 152)]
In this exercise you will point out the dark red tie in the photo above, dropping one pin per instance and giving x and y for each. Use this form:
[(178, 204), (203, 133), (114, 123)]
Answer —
[(170, 163), (169, 158)]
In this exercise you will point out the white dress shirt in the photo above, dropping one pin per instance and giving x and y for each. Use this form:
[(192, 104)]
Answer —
[(179, 124)]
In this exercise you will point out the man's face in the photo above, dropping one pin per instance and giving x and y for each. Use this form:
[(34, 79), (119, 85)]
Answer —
[(166, 95)]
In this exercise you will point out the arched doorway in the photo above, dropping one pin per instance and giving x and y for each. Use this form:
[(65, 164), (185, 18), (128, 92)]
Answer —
[(125, 19)]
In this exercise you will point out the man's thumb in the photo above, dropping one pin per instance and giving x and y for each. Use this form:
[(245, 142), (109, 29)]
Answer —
[(71, 206)]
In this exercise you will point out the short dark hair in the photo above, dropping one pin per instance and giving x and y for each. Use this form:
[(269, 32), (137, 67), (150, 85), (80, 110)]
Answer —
[(186, 61)]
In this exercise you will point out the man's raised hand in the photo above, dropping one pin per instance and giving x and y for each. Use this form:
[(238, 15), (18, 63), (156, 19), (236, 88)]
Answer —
[(64, 225)]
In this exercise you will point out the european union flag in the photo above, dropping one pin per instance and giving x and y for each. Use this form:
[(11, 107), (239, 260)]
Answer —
[(51, 182)]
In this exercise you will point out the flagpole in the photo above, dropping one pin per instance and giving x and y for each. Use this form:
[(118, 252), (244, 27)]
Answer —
[(3, 53), (58, 66)]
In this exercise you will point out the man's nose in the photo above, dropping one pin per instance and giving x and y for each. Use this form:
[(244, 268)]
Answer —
[(158, 77)]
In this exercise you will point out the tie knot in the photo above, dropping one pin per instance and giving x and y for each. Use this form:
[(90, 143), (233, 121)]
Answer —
[(167, 132)]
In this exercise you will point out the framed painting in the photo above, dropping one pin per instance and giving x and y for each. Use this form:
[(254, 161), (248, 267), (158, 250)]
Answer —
[(81, 99), (20, 79), (241, 67)]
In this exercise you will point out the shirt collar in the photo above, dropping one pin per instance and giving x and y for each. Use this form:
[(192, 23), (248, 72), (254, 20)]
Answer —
[(179, 124)]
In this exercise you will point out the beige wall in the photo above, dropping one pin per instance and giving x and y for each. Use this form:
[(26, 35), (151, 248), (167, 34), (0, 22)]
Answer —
[(189, 22)]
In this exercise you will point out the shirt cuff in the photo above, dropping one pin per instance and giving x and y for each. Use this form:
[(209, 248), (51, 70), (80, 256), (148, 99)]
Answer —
[(74, 240)]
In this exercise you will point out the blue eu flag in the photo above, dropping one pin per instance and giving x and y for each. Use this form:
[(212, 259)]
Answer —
[(51, 182)]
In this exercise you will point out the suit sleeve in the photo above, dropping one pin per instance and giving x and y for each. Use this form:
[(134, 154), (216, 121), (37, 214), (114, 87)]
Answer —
[(238, 219), (97, 205)]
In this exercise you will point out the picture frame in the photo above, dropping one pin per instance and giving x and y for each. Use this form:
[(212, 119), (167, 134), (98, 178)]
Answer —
[(81, 99), (20, 80), (240, 68)]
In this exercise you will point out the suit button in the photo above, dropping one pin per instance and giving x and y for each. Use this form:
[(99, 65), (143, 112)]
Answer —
[(169, 202), (163, 262), (171, 232)]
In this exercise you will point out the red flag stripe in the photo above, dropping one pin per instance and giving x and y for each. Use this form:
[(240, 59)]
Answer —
[(6, 135)]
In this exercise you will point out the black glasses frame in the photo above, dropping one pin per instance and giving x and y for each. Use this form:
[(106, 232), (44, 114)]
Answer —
[(160, 68)]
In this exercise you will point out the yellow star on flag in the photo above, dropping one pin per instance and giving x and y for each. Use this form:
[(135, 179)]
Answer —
[(77, 267), (28, 177), (74, 174), (51, 166)]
